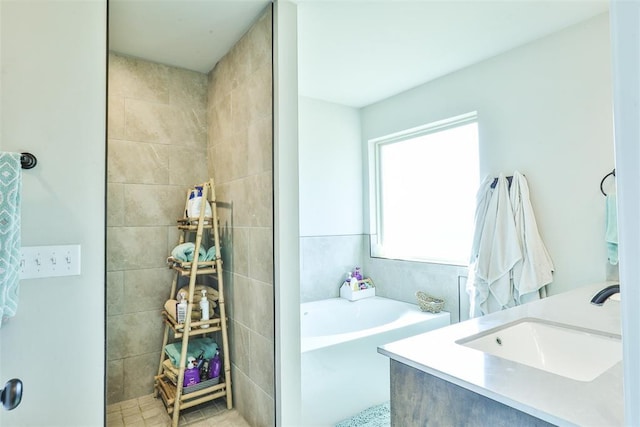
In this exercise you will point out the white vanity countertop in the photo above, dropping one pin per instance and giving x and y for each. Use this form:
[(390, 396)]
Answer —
[(553, 398)]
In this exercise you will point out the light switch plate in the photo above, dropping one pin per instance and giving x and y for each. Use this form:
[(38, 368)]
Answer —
[(49, 261)]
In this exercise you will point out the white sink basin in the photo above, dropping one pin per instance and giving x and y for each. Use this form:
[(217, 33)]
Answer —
[(572, 352)]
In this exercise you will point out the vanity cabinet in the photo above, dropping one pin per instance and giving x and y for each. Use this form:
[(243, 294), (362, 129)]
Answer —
[(421, 399)]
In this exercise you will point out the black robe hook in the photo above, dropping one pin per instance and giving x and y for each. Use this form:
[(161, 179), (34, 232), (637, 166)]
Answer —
[(28, 161)]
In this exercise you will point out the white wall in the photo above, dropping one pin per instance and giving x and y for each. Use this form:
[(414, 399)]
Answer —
[(331, 222), (330, 169), (544, 109), (53, 80)]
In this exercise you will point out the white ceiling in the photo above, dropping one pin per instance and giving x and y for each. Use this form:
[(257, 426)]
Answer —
[(359, 52), (351, 52), (191, 34)]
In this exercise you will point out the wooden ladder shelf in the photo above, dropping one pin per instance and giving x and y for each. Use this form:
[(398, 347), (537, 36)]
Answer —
[(169, 380)]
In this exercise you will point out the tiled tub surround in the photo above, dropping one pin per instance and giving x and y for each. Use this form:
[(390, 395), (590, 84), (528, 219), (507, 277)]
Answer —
[(325, 260), (551, 398)]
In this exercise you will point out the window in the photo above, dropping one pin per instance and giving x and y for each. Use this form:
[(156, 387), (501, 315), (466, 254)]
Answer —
[(424, 191)]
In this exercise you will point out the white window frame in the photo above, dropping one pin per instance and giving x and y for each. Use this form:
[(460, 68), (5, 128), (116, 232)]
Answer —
[(375, 204)]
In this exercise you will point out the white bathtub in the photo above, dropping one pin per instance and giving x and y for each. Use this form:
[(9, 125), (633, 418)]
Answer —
[(342, 372)]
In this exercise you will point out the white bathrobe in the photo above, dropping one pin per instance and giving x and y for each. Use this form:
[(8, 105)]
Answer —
[(494, 254), (534, 270)]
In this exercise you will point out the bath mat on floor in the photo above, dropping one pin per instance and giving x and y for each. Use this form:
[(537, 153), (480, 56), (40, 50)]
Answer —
[(376, 416)]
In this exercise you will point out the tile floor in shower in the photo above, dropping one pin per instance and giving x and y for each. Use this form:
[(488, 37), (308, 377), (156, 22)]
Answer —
[(148, 411)]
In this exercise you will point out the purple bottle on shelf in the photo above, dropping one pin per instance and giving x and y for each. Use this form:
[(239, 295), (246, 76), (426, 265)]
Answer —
[(215, 366), (191, 374)]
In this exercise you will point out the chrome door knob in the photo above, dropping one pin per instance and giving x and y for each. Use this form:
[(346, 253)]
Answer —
[(11, 394)]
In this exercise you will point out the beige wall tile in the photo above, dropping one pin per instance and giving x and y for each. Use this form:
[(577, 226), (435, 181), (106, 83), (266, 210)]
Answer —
[(165, 124), (115, 204), (115, 125), (240, 251), (235, 193), (134, 334), (173, 236), (259, 146), (260, 42), (233, 154), (264, 409), (146, 290), (261, 254), (187, 88), (260, 90), (115, 381), (115, 293), (188, 166), (130, 248), (137, 163), (241, 352), (139, 372), (242, 302), (220, 123), (252, 403), (260, 308), (262, 363), (239, 59), (152, 205), (242, 397), (137, 79), (260, 199)]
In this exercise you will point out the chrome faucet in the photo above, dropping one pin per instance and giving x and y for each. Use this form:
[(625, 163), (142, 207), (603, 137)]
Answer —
[(603, 294)]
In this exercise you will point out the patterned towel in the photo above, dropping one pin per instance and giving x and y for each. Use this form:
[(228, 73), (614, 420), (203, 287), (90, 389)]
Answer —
[(10, 188)]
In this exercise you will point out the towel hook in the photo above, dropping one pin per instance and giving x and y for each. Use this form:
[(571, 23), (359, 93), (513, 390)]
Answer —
[(612, 173), (28, 161)]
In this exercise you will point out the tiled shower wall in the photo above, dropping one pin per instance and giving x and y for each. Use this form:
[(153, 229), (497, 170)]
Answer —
[(240, 159), (156, 145)]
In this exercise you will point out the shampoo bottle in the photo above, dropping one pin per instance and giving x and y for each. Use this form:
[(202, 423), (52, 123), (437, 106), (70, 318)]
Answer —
[(191, 374), (204, 308)]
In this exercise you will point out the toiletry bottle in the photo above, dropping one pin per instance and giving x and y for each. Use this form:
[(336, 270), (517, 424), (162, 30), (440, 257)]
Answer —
[(355, 286), (348, 282), (188, 212), (215, 366), (181, 308), (204, 308), (358, 274), (191, 374), (195, 203)]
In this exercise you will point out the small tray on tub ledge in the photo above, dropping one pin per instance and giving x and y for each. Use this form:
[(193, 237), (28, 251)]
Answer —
[(347, 293)]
